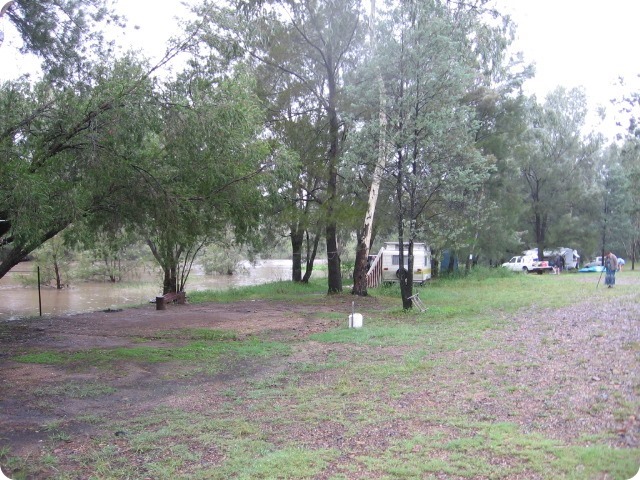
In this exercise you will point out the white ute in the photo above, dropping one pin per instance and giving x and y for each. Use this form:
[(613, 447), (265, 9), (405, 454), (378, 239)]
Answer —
[(526, 264)]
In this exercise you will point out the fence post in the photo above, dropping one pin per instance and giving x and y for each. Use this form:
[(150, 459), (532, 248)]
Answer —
[(39, 295)]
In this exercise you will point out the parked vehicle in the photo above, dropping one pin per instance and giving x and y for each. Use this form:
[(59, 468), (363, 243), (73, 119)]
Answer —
[(527, 264), (594, 263), (570, 256), (385, 267)]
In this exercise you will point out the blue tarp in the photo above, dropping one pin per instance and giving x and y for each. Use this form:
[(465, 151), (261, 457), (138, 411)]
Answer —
[(598, 268)]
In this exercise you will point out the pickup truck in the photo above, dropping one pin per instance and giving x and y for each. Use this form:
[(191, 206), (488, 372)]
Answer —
[(527, 264)]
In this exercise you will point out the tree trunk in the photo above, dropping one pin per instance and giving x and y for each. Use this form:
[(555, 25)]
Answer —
[(333, 257), (362, 252), (169, 264), (404, 275), (297, 240), (109, 265), (311, 256), (360, 268), (405, 292), (56, 269), (452, 263), (541, 230), (11, 259), (170, 282), (18, 251)]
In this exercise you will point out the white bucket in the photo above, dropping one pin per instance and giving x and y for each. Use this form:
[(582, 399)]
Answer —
[(355, 320)]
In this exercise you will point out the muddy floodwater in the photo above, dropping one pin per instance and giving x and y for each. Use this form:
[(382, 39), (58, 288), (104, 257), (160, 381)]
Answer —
[(19, 301)]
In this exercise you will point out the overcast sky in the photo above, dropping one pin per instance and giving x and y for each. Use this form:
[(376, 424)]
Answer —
[(572, 42), (578, 43)]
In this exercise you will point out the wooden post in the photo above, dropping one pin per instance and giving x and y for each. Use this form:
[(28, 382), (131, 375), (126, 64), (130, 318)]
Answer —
[(160, 305), (39, 294)]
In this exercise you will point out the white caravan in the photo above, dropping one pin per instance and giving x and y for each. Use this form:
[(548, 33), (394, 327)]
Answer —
[(385, 267)]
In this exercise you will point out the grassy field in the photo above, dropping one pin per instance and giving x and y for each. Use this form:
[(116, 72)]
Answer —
[(445, 394)]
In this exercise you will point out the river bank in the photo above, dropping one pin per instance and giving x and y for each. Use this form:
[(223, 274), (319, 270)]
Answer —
[(20, 301)]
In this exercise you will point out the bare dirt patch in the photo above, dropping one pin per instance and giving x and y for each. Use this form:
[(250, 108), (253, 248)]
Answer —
[(147, 386)]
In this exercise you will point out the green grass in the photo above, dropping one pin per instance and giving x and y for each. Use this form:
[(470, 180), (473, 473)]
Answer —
[(201, 352), (499, 450), (196, 334), (281, 291), (171, 443), (478, 295), (315, 417), (76, 390)]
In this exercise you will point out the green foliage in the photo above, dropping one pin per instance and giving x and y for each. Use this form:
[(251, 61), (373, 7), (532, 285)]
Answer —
[(63, 34), (210, 128), (106, 252), (555, 166), (225, 256), (81, 144), (54, 259)]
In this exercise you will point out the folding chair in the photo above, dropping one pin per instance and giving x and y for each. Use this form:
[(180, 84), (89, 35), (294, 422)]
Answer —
[(415, 299)]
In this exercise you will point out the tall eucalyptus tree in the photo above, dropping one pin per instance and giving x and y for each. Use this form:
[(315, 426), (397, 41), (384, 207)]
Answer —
[(619, 201), (313, 43), (630, 236), (365, 235), (629, 109), (434, 54)]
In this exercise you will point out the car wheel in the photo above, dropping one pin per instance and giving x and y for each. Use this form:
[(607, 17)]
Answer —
[(525, 270)]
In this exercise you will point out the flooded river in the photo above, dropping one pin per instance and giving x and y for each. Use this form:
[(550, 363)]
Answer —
[(17, 301)]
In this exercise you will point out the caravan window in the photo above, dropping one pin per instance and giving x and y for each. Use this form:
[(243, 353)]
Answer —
[(395, 260)]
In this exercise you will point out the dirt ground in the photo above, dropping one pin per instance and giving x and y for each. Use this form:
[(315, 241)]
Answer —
[(21, 418), (571, 370)]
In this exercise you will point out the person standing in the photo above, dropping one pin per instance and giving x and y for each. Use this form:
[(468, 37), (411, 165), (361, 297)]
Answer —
[(610, 266)]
